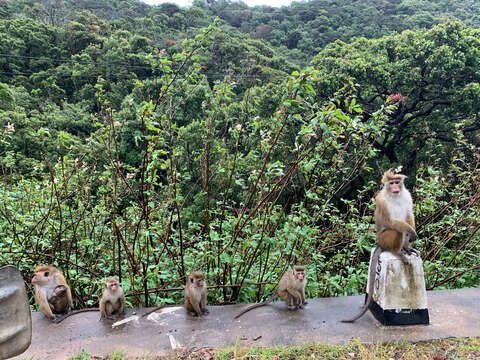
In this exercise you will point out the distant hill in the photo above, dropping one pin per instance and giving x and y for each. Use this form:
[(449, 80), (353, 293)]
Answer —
[(300, 30)]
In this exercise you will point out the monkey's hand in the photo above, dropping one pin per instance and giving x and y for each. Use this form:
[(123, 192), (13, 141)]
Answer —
[(412, 235), (60, 291)]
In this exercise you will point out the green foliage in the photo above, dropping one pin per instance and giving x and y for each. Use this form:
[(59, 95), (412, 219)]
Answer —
[(145, 147)]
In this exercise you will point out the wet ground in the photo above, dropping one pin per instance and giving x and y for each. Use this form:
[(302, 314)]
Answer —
[(453, 313)]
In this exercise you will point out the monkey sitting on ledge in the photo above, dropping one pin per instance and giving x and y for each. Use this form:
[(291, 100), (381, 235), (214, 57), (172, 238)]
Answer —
[(52, 292), (291, 288), (196, 294)]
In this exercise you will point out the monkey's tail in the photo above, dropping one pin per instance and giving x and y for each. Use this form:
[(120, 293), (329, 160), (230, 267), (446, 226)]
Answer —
[(273, 297), (371, 283), (74, 312), (156, 309)]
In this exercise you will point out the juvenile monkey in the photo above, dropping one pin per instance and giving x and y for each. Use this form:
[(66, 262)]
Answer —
[(395, 225), (291, 288), (52, 292), (196, 294), (112, 302)]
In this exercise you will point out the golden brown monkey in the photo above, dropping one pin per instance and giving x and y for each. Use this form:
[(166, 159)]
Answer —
[(395, 225), (196, 294), (291, 288), (112, 302), (52, 292)]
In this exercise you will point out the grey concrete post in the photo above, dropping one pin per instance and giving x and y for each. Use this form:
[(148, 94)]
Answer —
[(399, 296)]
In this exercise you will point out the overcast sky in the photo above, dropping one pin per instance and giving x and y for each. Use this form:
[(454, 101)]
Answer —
[(276, 3)]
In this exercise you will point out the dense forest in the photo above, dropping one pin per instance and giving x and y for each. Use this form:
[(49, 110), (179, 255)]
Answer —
[(146, 141)]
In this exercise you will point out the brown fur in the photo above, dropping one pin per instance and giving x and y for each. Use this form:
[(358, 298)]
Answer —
[(196, 294), (389, 175), (393, 234), (112, 303), (291, 288), (52, 293)]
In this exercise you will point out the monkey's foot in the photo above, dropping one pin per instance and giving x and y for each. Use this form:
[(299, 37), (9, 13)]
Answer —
[(205, 311), (292, 307), (410, 251), (415, 252), (304, 302)]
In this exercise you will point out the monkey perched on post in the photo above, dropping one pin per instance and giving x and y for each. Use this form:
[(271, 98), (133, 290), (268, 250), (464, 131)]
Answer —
[(112, 302), (395, 225), (291, 288), (196, 294), (52, 292)]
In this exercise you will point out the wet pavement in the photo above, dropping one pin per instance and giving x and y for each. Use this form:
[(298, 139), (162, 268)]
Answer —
[(453, 313)]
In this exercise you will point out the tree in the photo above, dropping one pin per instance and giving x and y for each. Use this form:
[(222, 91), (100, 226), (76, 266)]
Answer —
[(431, 75)]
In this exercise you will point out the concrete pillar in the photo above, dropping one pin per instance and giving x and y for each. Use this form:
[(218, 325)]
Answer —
[(399, 295)]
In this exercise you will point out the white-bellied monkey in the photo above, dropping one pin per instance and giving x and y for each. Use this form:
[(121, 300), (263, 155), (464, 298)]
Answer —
[(395, 226)]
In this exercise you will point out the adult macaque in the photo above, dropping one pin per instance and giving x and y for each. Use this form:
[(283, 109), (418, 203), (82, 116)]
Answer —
[(394, 211), (52, 292), (112, 302), (196, 294), (395, 225), (291, 288)]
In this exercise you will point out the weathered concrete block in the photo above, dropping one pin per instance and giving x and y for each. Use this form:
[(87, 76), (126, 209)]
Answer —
[(15, 319), (399, 295)]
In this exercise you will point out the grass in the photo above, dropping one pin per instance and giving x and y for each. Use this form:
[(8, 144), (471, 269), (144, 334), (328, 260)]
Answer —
[(446, 349)]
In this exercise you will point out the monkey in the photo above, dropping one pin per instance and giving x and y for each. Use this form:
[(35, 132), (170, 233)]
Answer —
[(291, 288), (52, 293), (394, 211), (395, 227), (196, 294), (112, 302), (59, 299)]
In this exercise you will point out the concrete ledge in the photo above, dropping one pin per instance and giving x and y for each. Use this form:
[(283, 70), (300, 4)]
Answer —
[(453, 313)]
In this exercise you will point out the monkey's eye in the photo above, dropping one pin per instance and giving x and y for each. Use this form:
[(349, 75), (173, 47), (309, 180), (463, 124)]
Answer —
[(46, 273)]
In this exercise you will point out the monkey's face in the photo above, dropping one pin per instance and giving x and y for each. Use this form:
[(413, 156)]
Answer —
[(112, 286), (394, 186), (198, 281), (300, 275), (41, 278)]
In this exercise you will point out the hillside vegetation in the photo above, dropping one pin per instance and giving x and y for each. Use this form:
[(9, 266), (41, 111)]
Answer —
[(144, 142)]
